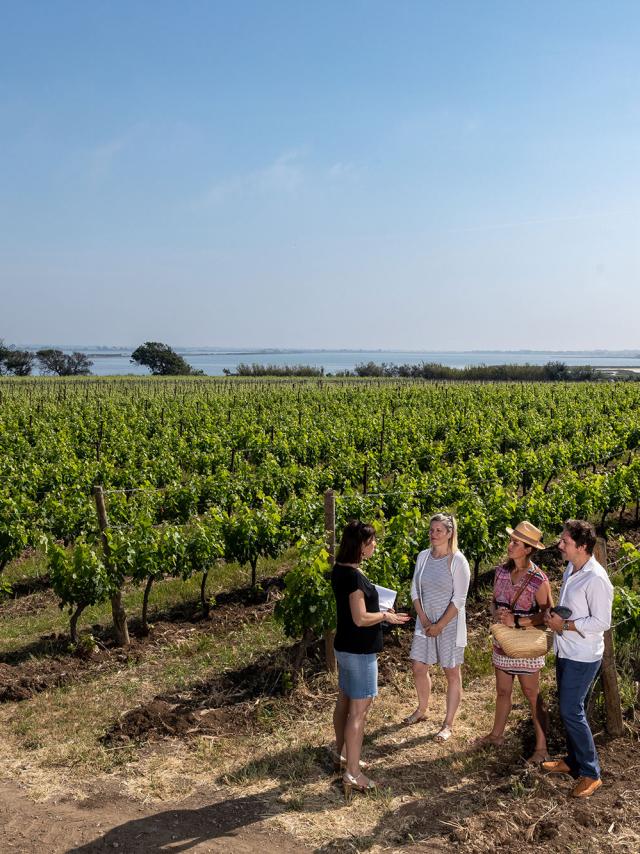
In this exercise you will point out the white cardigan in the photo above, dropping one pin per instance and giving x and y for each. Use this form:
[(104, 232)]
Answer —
[(461, 576)]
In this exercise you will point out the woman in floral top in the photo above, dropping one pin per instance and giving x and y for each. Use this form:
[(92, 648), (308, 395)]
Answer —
[(521, 594)]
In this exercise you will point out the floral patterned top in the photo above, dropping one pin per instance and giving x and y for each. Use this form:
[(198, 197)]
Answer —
[(504, 590)]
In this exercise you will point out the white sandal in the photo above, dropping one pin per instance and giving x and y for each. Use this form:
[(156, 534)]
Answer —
[(444, 735)]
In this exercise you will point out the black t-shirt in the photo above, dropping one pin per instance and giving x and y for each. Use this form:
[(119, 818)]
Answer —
[(349, 637)]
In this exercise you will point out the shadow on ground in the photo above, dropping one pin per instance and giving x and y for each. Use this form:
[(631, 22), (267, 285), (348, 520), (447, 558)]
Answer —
[(185, 829)]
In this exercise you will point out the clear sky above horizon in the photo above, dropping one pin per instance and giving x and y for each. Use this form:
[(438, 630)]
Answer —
[(412, 175)]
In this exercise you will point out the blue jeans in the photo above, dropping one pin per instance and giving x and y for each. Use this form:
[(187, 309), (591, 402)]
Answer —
[(575, 679)]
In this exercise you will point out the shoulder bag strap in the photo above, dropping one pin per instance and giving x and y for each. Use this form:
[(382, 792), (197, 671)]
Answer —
[(521, 589)]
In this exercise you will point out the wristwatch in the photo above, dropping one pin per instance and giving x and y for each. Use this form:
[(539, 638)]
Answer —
[(516, 621), (565, 625)]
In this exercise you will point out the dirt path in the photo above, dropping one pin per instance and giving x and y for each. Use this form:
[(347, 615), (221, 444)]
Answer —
[(109, 822)]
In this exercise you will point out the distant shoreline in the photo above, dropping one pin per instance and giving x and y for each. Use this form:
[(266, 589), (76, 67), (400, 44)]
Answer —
[(220, 362), (100, 351)]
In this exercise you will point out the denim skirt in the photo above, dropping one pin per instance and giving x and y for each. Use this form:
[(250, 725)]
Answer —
[(357, 674)]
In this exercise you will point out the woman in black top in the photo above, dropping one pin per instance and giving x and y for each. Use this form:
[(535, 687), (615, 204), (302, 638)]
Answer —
[(357, 642)]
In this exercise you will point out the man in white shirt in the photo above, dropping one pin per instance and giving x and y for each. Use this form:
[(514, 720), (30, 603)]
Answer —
[(579, 645)]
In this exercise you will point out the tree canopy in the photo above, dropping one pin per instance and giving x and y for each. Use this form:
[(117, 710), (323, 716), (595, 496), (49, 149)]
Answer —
[(161, 359), (13, 361), (53, 361)]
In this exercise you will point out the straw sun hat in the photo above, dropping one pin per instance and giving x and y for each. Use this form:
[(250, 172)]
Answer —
[(528, 534)]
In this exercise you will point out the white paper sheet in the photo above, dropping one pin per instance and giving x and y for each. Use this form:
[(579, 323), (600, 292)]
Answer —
[(387, 597)]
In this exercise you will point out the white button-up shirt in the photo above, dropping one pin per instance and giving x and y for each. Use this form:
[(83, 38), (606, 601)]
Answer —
[(589, 594)]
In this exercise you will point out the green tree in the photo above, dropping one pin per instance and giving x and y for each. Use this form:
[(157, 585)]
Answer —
[(161, 360), (54, 361), (555, 370), (148, 554), (308, 607), (473, 527), (204, 546), (18, 362)]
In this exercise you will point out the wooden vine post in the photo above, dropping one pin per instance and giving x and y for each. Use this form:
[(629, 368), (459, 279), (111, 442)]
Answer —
[(330, 540), (609, 674), (120, 628)]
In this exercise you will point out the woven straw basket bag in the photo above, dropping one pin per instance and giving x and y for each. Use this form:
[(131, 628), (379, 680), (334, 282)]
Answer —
[(522, 643)]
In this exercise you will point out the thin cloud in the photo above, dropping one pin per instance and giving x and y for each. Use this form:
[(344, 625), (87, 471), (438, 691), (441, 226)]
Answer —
[(528, 222), (341, 171), (287, 175), (284, 176), (102, 157)]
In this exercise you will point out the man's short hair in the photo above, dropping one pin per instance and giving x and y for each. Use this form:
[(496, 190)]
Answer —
[(582, 533)]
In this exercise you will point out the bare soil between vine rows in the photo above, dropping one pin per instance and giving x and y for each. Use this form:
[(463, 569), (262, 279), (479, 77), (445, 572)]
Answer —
[(47, 663)]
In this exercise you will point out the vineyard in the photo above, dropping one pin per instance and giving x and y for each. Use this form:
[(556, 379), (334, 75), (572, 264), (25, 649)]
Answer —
[(119, 490)]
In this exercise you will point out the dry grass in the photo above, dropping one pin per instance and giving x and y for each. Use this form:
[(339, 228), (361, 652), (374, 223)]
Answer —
[(443, 796), (411, 767)]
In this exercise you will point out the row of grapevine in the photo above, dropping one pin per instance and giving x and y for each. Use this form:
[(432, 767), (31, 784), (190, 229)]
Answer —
[(198, 470)]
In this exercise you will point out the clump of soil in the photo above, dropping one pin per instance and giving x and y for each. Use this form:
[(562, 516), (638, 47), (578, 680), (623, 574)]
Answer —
[(22, 683), (158, 716), (30, 585)]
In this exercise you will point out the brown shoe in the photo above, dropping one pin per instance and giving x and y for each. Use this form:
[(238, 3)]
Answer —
[(585, 787), (556, 766)]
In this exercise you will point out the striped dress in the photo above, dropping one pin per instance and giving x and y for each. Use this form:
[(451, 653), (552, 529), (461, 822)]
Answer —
[(436, 592), (504, 591)]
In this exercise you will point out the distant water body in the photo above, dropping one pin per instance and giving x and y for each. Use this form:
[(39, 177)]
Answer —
[(213, 363)]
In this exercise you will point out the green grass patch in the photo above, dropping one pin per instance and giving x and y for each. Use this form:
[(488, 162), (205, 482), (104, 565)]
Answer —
[(18, 630), (477, 659), (24, 569)]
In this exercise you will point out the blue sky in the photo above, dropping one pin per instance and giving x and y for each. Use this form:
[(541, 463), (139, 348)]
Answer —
[(416, 175)]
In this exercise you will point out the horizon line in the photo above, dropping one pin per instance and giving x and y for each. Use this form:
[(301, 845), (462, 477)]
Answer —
[(248, 351)]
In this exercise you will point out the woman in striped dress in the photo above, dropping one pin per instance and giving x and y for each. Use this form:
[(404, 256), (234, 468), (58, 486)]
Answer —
[(439, 591), (521, 594)]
